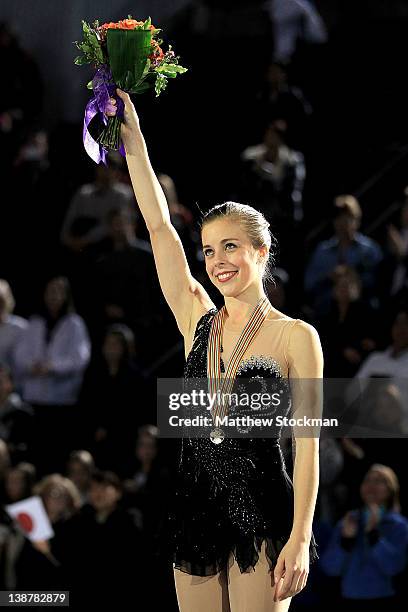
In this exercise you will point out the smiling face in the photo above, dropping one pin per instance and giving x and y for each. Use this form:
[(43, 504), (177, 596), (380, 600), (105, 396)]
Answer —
[(232, 263)]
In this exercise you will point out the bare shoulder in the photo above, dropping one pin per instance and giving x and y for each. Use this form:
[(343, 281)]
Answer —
[(304, 350), (301, 331)]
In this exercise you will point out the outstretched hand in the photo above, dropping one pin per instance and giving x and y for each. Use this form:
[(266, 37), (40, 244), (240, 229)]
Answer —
[(130, 128)]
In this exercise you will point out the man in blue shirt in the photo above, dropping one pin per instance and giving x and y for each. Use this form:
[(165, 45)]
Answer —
[(347, 247)]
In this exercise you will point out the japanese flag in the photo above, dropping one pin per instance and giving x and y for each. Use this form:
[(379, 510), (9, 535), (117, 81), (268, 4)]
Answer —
[(32, 518)]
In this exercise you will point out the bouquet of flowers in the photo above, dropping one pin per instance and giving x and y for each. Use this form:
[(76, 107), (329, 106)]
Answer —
[(126, 54)]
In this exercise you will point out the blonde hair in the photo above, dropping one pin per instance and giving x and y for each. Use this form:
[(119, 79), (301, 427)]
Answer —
[(254, 224), (56, 481)]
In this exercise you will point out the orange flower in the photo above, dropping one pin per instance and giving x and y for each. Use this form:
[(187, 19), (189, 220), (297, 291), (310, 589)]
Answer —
[(110, 26), (124, 24), (129, 24)]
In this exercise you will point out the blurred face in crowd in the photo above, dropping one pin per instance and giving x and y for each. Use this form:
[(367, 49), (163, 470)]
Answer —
[(6, 385), (146, 448), (55, 501), (103, 496), (399, 331), (346, 225), (231, 262), (79, 474), (55, 295), (112, 348), (374, 488), (15, 485)]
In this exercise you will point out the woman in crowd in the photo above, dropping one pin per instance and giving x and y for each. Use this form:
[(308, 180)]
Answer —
[(51, 358), (369, 545)]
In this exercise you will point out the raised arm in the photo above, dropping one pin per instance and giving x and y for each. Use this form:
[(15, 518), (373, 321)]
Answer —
[(186, 297)]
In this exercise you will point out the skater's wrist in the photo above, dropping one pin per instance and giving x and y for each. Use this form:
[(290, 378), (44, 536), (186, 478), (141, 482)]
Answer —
[(302, 535)]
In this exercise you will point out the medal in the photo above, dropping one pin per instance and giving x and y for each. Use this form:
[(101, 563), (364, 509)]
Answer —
[(216, 382), (217, 435)]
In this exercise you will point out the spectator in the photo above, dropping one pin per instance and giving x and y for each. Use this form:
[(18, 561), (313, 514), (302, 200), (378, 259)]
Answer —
[(11, 326), (278, 99), (85, 222), (273, 176), (102, 548), (114, 397), (32, 161), (51, 357), (388, 414), (61, 501), (60, 497), (348, 330), (369, 545), (19, 482), (391, 363), (16, 419), (127, 263), (79, 469), (33, 565), (146, 488), (347, 247)]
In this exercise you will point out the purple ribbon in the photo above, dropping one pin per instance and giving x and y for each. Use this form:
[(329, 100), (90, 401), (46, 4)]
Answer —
[(103, 89)]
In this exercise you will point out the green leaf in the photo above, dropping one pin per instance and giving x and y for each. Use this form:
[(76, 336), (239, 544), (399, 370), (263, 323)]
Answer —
[(147, 24), (92, 39), (146, 68), (80, 60), (170, 70), (128, 52), (89, 85)]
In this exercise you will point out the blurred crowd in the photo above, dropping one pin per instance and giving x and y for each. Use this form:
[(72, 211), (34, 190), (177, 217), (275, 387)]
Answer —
[(85, 332)]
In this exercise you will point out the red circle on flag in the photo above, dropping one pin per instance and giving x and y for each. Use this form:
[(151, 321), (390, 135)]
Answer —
[(25, 521)]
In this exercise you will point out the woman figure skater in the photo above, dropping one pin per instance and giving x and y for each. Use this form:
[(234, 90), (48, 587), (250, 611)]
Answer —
[(241, 535)]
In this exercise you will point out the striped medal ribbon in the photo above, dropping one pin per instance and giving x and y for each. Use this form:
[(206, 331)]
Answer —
[(218, 383)]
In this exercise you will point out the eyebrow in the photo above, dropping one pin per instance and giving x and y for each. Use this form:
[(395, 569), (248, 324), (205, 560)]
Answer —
[(205, 246)]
